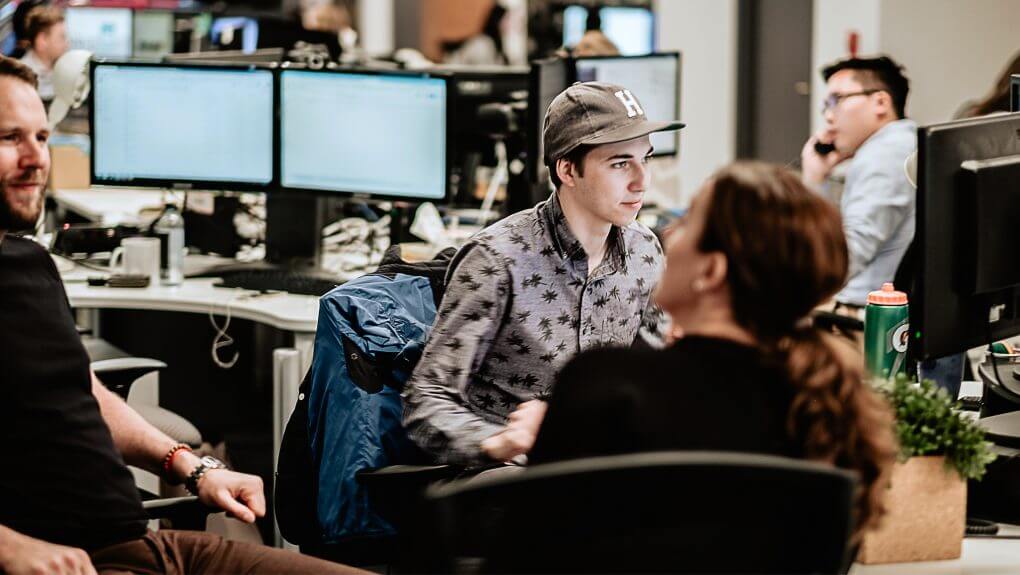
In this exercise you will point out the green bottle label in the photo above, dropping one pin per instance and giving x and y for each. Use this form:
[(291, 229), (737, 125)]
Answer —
[(886, 334)]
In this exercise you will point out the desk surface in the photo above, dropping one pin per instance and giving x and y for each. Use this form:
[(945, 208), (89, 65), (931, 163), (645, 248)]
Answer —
[(981, 556), (297, 313), (109, 206)]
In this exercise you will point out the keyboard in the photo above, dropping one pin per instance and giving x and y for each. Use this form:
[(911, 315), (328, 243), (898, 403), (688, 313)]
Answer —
[(265, 280)]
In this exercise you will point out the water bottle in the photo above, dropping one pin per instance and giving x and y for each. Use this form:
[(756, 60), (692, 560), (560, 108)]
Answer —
[(886, 332), (170, 230)]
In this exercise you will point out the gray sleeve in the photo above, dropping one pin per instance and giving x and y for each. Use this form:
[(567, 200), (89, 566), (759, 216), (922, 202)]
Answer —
[(654, 322), (436, 414), (873, 209)]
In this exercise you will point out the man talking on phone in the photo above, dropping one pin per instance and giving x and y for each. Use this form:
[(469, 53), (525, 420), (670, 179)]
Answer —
[(866, 125)]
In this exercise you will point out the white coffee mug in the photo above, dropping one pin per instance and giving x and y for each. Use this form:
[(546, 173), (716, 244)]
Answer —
[(140, 257)]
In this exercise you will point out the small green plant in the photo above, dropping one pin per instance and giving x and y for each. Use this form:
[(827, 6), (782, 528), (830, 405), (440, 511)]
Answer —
[(928, 423)]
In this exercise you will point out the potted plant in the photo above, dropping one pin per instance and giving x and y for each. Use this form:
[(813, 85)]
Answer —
[(940, 449)]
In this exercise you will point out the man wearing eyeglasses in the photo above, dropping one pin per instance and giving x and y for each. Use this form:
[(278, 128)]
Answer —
[(866, 124)]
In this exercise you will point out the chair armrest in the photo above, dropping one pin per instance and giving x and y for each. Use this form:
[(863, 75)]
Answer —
[(183, 512), (828, 320), (406, 474), (118, 374), (396, 492)]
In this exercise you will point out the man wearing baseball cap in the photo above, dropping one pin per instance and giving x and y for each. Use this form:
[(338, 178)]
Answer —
[(527, 293)]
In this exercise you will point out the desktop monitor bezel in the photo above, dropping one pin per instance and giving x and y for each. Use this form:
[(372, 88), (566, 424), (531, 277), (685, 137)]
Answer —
[(130, 28), (538, 172), (185, 183), (1014, 93), (364, 195), (945, 316), (678, 83)]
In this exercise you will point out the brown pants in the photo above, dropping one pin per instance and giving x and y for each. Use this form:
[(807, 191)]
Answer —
[(184, 552)]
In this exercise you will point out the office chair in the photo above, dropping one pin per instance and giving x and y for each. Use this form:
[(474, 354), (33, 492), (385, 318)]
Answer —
[(678, 512), (118, 371)]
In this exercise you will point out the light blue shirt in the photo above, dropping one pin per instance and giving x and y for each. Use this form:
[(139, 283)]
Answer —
[(879, 207)]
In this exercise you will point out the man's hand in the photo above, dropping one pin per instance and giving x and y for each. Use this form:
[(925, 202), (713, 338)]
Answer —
[(21, 554), (814, 166), (239, 494), (519, 435)]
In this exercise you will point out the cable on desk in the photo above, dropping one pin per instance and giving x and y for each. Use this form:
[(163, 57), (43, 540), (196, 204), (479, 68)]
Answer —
[(222, 338)]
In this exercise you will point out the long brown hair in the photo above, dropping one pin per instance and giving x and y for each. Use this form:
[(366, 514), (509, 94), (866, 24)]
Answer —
[(998, 100), (786, 253)]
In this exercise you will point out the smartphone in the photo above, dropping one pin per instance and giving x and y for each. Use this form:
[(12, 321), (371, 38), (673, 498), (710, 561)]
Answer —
[(824, 149)]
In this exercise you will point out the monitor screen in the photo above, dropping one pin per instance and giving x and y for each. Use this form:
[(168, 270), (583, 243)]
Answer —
[(153, 33), (631, 29), (155, 124), (378, 134), (654, 79), (106, 32), (7, 39)]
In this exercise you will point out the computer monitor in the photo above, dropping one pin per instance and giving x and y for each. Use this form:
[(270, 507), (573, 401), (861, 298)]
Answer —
[(631, 28), (153, 33), (654, 79), (469, 129), (967, 290), (156, 125), (1014, 93), (379, 134), (548, 78), (106, 32), (7, 37)]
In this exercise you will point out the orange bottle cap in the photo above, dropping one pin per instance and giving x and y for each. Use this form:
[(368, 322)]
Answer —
[(887, 296)]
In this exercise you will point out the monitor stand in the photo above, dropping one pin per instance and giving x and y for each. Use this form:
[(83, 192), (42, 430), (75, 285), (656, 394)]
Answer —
[(1002, 429), (294, 225)]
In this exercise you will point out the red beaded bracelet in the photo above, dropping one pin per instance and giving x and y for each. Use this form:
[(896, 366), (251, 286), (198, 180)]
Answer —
[(168, 460)]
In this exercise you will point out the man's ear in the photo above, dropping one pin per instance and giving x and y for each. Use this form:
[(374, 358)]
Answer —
[(565, 171), (884, 103)]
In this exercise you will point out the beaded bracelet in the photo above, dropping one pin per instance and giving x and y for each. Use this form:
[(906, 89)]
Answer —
[(168, 462)]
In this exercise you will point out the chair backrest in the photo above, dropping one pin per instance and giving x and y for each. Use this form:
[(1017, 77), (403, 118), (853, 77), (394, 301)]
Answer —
[(678, 512)]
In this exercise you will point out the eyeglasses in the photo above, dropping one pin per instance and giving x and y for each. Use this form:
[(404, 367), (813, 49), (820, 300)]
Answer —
[(834, 99)]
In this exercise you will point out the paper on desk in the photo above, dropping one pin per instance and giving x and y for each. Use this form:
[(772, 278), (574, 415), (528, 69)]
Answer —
[(428, 225)]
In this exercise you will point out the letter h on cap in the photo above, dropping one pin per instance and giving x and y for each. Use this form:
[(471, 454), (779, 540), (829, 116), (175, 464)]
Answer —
[(630, 102)]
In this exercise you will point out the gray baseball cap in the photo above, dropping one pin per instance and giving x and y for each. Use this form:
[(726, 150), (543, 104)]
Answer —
[(594, 113)]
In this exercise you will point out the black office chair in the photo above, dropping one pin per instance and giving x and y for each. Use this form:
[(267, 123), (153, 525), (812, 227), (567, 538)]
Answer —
[(677, 512), (187, 513)]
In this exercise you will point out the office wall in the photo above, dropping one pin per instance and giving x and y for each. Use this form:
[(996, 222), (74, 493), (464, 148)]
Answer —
[(953, 50), (446, 20), (833, 22), (705, 31), (376, 26)]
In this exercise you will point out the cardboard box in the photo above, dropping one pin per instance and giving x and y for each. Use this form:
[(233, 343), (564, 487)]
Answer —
[(926, 515), (69, 168)]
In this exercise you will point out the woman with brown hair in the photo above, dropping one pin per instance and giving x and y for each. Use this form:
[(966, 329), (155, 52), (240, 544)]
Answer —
[(753, 256), (998, 100)]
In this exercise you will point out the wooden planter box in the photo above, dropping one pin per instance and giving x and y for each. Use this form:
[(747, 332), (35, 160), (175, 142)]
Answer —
[(926, 515)]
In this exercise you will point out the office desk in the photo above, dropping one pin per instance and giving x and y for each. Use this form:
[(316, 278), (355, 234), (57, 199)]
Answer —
[(293, 313), (112, 206), (981, 556)]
